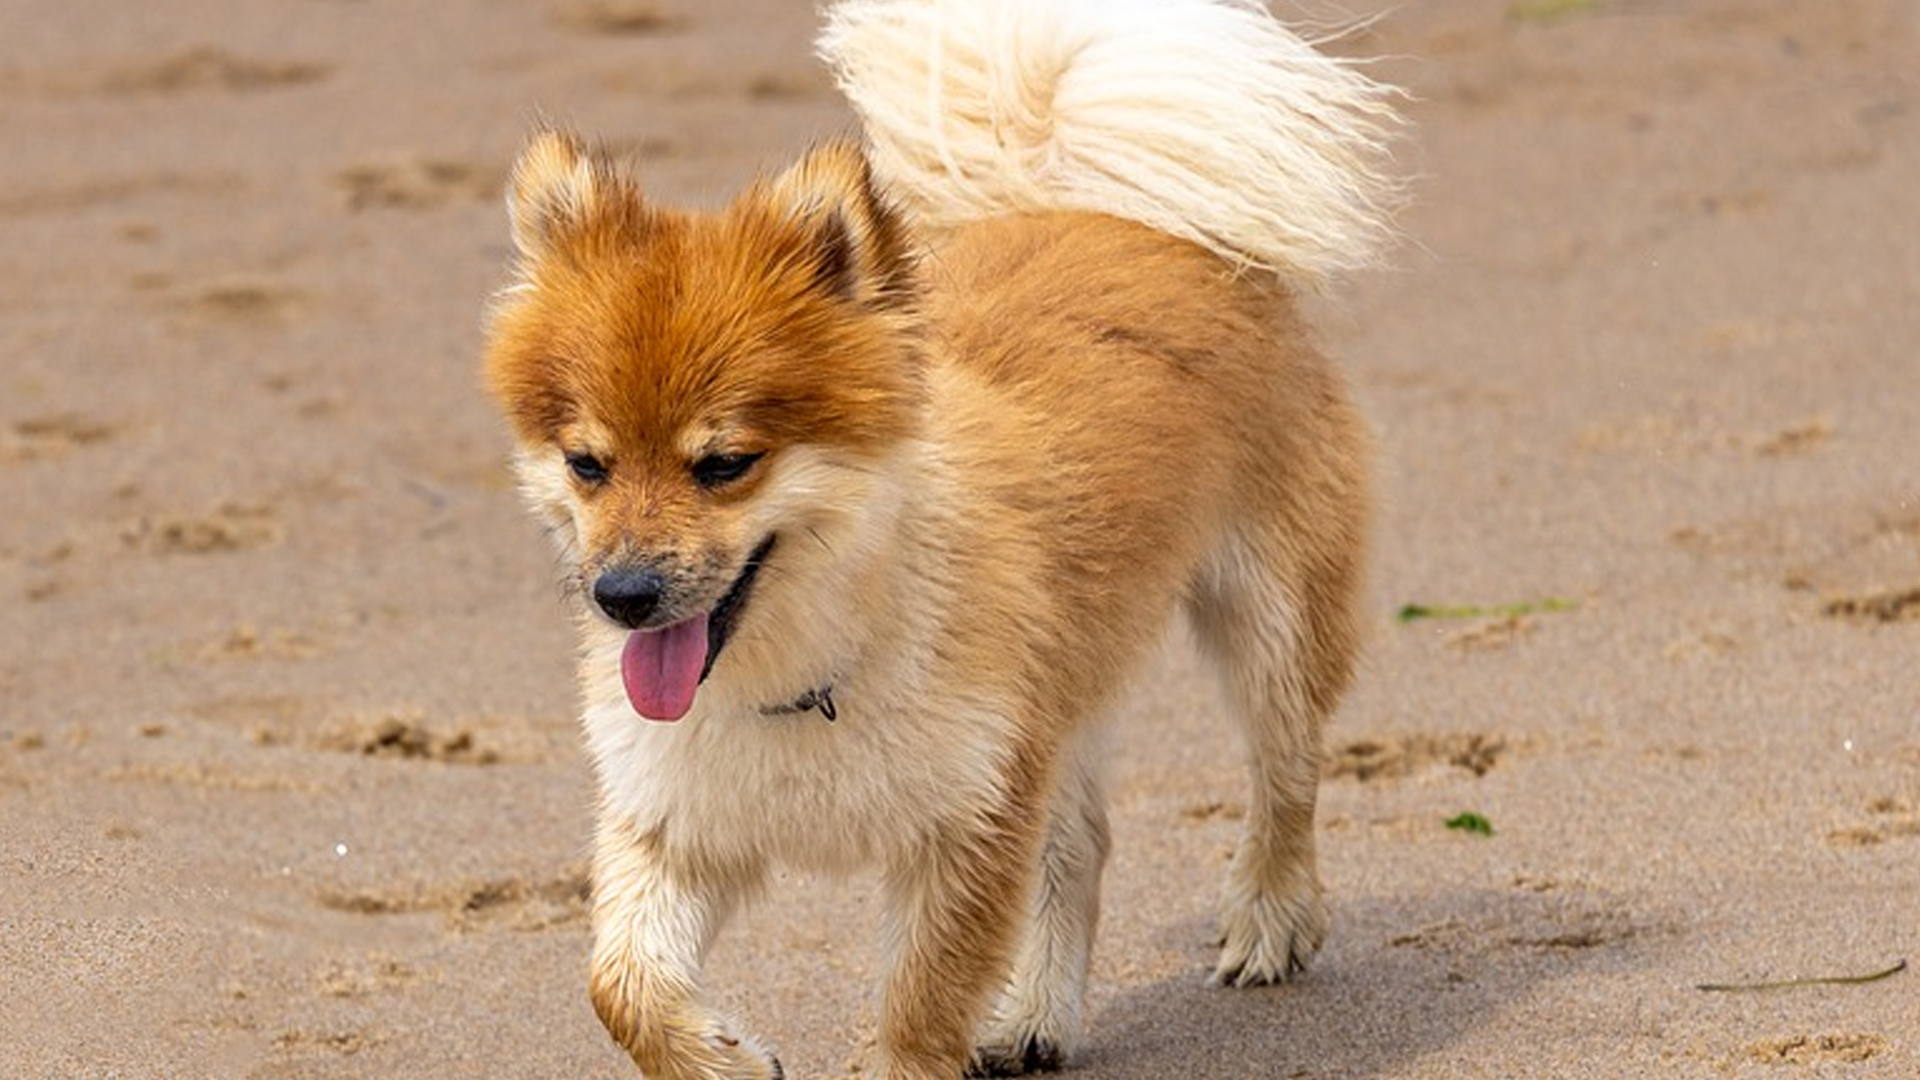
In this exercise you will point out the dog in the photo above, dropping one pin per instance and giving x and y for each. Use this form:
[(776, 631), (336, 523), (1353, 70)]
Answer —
[(875, 488)]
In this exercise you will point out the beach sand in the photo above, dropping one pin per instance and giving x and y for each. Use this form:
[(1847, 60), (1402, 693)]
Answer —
[(289, 780)]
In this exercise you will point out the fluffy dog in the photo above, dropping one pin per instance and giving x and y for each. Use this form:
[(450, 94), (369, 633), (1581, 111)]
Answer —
[(879, 484)]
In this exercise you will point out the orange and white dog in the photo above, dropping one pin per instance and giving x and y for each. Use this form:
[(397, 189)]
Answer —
[(879, 484)]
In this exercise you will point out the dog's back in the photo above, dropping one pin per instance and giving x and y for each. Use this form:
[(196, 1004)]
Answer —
[(1131, 408)]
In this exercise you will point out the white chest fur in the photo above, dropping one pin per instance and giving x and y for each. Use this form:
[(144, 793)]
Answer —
[(887, 775)]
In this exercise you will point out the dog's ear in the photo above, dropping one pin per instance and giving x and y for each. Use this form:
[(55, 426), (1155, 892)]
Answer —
[(557, 183), (856, 242)]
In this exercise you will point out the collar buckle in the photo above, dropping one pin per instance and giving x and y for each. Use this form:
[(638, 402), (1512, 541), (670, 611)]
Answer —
[(820, 698)]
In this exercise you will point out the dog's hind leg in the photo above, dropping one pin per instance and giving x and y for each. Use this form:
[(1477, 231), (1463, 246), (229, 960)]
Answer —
[(1279, 624), (1038, 1017)]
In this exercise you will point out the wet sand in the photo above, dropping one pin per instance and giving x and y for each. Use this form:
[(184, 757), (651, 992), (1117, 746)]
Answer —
[(289, 782)]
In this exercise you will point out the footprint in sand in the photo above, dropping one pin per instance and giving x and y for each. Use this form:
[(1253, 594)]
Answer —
[(1889, 817), (513, 902), (248, 303), (42, 438), (245, 643), (400, 734), (796, 86), (209, 68), (617, 17), (1688, 433), (229, 528), (1537, 914), (406, 734), (46, 571), (1394, 758), (418, 185), (209, 777), (1492, 634), (1793, 440), (1880, 551), (1841, 1047), (301, 1043), (379, 972), (104, 191), (203, 68), (1890, 606)]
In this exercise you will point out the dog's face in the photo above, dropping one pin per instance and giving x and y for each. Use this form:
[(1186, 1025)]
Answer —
[(692, 394)]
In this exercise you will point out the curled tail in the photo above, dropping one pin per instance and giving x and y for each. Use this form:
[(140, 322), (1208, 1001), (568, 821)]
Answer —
[(1206, 119)]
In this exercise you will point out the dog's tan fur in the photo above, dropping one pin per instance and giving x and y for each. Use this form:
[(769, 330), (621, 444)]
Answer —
[(996, 468)]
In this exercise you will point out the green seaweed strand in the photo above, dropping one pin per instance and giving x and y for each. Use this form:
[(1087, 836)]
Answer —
[(1822, 980), (1413, 612)]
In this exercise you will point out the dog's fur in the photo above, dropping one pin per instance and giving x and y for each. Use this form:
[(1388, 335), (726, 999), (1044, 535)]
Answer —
[(998, 433)]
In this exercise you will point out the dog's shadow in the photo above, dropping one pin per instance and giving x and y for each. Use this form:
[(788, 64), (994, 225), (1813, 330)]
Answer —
[(1401, 978)]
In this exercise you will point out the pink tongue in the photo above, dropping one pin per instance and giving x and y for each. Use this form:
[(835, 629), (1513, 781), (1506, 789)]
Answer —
[(661, 668)]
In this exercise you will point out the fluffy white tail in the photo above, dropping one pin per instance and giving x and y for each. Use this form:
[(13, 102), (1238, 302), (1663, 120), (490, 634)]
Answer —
[(1206, 119)]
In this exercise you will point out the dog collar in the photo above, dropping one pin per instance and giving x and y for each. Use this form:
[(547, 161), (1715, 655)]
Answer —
[(820, 697)]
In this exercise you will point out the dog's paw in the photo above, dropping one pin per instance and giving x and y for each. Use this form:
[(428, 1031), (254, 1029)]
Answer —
[(1270, 939), (1022, 1056), (1033, 1029), (733, 1057)]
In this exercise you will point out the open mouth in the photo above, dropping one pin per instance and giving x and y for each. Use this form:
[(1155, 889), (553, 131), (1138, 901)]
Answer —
[(662, 669), (720, 620)]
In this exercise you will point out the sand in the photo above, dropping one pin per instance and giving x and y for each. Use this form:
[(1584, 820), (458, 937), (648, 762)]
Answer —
[(289, 783)]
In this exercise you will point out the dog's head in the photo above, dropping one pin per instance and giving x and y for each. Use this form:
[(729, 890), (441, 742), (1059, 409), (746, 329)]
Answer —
[(700, 400)]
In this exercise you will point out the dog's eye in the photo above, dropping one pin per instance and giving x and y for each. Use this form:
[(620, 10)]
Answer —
[(716, 470), (590, 469)]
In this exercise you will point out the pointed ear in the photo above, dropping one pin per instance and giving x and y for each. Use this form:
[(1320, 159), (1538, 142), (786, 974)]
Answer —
[(858, 245), (556, 183)]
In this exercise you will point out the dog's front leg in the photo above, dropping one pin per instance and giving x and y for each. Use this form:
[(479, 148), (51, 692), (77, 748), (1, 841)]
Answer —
[(955, 908), (653, 918)]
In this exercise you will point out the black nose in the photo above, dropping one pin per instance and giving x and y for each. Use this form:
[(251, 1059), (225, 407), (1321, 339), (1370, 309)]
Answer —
[(628, 594)]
